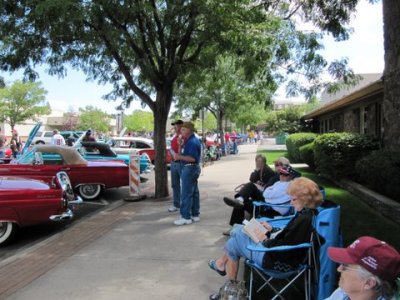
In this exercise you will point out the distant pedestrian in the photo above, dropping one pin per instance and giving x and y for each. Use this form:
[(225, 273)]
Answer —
[(176, 144), (15, 143), (57, 138), (2, 144), (89, 138), (70, 140), (190, 172)]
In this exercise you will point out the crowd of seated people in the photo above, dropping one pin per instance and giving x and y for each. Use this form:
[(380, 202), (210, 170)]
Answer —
[(369, 268), (265, 185)]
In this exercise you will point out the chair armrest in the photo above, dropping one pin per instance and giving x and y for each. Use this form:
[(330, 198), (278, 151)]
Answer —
[(263, 203), (276, 219), (261, 248)]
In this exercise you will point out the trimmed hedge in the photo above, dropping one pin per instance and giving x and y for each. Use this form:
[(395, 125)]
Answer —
[(295, 141), (336, 154), (380, 170), (307, 155)]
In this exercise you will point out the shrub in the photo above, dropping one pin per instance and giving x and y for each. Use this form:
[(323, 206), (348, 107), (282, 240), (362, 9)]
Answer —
[(335, 154), (295, 141), (380, 170), (307, 154)]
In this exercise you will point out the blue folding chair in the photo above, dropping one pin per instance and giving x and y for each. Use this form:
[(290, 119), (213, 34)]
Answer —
[(318, 270), (328, 233), (268, 275)]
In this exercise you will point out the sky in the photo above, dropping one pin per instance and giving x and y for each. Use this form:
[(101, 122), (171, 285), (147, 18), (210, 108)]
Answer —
[(364, 50)]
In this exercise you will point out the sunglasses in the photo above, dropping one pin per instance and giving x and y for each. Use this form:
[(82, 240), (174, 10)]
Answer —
[(283, 174), (346, 267)]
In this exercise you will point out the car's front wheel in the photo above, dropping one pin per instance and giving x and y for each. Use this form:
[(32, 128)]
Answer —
[(90, 191), (7, 231)]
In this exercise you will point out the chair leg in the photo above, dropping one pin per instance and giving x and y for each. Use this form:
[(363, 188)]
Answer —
[(251, 284)]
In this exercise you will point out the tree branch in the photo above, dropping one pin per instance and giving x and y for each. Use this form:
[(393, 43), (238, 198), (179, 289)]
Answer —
[(124, 69)]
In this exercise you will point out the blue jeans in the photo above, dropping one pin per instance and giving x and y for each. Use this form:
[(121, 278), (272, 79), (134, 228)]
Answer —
[(235, 247), (176, 182), (190, 196)]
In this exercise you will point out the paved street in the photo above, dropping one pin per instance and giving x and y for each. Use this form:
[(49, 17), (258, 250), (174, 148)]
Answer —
[(132, 250)]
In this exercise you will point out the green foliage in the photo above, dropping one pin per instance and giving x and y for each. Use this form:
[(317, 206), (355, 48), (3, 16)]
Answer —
[(210, 123), (356, 215), (272, 155), (336, 153), (93, 118), (22, 101), (307, 154), (139, 121), (380, 170), (295, 141), (287, 119)]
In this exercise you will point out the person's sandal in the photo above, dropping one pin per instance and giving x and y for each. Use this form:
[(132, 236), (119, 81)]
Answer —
[(213, 265), (227, 232), (215, 296)]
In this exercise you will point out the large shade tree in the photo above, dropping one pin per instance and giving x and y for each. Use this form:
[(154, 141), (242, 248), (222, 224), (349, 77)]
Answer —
[(93, 118), (22, 101), (391, 74), (142, 47)]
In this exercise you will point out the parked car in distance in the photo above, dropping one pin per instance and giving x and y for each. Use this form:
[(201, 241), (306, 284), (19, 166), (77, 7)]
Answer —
[(103, 151), (88, 178), (42, 137), (125, 144), (25, 201)]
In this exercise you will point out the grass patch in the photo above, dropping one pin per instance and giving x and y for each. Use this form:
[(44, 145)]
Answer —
[(357, 218), (273, 155)]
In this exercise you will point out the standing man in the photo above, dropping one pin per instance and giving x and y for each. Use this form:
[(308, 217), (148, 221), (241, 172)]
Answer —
[(57, 138), (2, 144), (176, 143), (190, 172)]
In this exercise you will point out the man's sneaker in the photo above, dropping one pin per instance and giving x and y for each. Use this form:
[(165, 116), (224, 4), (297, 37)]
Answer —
[(172, 209), (235, 202), (196, 219), (183, 221)]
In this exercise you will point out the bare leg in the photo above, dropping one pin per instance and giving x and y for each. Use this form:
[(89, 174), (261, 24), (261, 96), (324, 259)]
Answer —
[(221, 262), (232, 268)]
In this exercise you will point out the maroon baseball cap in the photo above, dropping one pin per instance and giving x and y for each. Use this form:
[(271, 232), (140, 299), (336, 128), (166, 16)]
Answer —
[(372, 254)]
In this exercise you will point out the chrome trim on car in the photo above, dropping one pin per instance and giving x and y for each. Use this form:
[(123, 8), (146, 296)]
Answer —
[(78, 200), (67, 215)]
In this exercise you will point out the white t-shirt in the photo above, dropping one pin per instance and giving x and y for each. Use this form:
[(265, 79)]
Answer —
[(277, 194), (57, 139)]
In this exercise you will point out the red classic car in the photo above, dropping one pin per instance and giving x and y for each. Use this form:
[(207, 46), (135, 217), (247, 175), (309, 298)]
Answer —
[(88, 178), (25, 201)]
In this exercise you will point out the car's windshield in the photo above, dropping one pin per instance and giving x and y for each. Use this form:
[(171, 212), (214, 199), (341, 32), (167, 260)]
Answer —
[(27, 159)]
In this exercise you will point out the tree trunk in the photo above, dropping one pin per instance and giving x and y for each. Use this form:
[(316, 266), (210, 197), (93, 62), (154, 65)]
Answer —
[(163, 100), (220, 117), (391, 75)]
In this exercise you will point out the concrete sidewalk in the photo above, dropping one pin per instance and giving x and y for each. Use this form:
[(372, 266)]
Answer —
[(134, 251)]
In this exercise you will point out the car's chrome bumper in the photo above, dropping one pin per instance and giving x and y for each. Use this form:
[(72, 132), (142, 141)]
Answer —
[(67, 215), (78, 200)]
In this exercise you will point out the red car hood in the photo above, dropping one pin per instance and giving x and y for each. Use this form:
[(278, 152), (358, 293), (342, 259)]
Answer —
[(18, 183)]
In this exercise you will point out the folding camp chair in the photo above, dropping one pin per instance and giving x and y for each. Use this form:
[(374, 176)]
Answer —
[(317, 267), (268, 275)]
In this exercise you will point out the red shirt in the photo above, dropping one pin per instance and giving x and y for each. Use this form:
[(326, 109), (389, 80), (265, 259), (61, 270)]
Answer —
[(175, 144)]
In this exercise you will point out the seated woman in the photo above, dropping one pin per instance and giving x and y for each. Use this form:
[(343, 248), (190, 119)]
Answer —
[(275, 194), (368, 270), (305, 197), (263, 173)]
